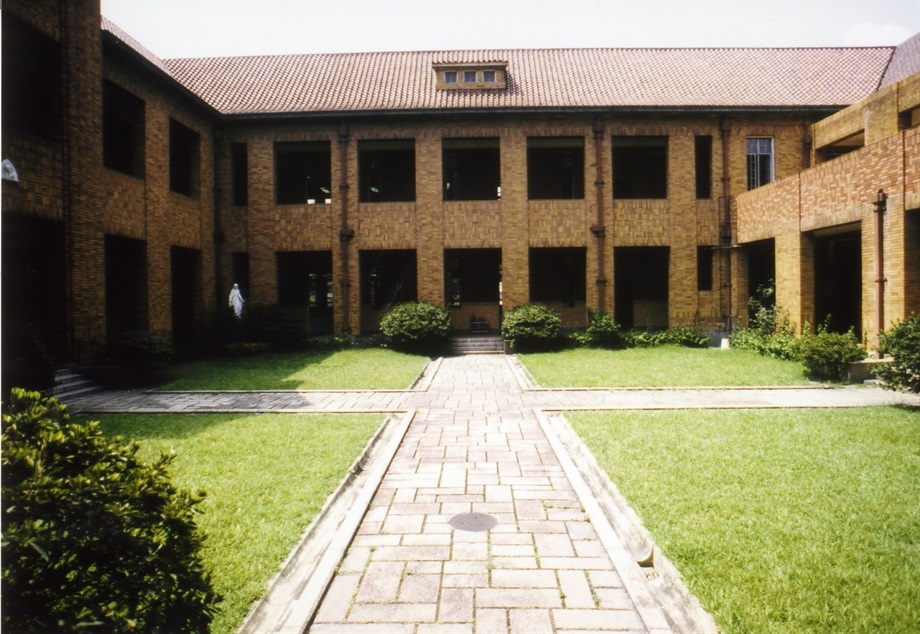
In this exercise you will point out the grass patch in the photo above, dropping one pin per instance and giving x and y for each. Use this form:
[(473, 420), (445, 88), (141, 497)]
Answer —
[(666, 366), (367, 368), (266, 477), (779, 520)]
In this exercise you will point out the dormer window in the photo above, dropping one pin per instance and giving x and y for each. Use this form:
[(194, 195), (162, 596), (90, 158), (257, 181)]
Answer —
[(490, 75)]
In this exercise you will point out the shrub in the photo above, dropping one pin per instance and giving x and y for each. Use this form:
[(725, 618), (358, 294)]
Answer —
[(902, 344), (93, 537), (680, 335), (26, 362), (768, 332), (603, 331), (281, 328), (416, 326), (135, 359), (532, 327), (826, 354)]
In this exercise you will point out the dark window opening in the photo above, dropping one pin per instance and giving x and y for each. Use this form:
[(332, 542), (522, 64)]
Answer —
[(34, 289), (239, 262), (122, 130), (704, 262), (471, 169), (555, 168), (838, 282), (703, 165), (557, 274), (239, 168), (125, 285), (759, 162), (184, 159), (386, 171), (388, 278), (641, 286), (305, 282), (640, 167), (303, 173), (909, 119), (841, 147), (472, 276), (32, 91), (187, 299)]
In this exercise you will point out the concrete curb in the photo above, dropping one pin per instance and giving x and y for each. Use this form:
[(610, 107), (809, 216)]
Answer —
[(293, 596), (661, 583)]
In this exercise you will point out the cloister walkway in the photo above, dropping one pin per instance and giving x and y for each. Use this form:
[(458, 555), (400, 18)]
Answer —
[(476, 512)]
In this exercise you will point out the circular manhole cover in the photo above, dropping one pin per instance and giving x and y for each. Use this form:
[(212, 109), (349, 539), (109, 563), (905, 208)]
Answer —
[(473, 522)]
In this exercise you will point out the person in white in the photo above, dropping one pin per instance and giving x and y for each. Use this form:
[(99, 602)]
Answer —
[(236, 301)]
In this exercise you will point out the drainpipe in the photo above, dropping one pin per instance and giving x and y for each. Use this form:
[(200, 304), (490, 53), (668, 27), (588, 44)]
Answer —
[(598, 228), (346, 233), (725, 233), (218, 234), (881, 206)]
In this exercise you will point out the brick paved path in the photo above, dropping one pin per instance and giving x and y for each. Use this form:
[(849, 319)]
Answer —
[(476, 445)]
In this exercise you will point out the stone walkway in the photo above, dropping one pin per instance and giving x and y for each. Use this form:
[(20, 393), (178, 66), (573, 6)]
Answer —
[(478, 443)]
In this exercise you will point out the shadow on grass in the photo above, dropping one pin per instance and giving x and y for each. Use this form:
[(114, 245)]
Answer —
[(141, 427)]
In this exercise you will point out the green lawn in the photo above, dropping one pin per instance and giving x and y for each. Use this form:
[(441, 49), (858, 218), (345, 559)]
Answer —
[(780, 521), (666, 366), (266, 477), (366, 368)]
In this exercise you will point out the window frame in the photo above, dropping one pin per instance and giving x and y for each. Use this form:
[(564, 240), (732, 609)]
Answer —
[(754, 160)]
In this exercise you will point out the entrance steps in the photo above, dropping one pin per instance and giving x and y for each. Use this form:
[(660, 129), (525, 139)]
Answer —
[(68, 383), (476, 344)]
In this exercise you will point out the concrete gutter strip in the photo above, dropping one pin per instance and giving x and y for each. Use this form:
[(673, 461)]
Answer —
[(294, 595), (656, 587)]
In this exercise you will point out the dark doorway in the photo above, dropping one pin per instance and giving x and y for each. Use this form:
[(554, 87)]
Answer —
[(305, 282), (125, 285), (35, 281), (240, 264), (472, 286), (761, 265), (640, 278), (187, 306), (387, 278), (838, 282), (557, 275)]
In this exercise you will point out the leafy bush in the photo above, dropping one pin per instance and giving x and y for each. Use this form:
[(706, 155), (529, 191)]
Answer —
[(603, 331), (532, 327), (416, 326), (768, 331), (902, 344), (281, 328), (135, 359), (92, 537), (680, 335), (825, 355)]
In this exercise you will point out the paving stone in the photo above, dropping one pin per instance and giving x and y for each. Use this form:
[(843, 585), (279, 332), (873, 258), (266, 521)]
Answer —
[(531, 622), (380, 582), (417, 588), (341, 591), (491, 621), (393, 613), (524, 579), (517, 598), (575, 587), (456, 605), (605, 620)]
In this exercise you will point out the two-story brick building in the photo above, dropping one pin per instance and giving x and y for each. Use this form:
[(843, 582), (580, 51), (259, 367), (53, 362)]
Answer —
[(338, 184)]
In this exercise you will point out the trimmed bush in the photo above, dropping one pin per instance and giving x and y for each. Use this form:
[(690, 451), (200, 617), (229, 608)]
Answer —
[(94, 538), (281, 328), (135, 359), (902, 344), (768, 331), (680, 335), (826, 354), (603, 331), (416, 326), (533, 327)]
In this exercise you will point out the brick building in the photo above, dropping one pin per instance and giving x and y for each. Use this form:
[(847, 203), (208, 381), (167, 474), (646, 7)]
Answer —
[(338, 184)]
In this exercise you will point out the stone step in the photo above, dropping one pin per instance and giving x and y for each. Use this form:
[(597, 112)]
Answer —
[(68, 382), (477, 345)]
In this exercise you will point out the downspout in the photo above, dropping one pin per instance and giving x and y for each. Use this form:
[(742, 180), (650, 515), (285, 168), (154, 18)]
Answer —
[(881, 206), (725, 233), (219, 237), (598, 228), (346, 233)]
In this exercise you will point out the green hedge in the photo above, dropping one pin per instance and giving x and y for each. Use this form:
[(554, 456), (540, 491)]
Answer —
[(416, 326), (93, 538), (902, 343)]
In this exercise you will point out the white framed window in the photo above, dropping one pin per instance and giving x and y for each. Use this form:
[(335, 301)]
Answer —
[(759, 161), (469, 77), (450, 77), (488, 76)]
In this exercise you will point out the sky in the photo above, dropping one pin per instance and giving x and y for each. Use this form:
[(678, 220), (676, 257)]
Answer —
[(211, 28)]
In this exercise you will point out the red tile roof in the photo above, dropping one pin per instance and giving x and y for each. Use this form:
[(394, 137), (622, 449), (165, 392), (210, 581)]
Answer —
[(538, 78), (904, 62)]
